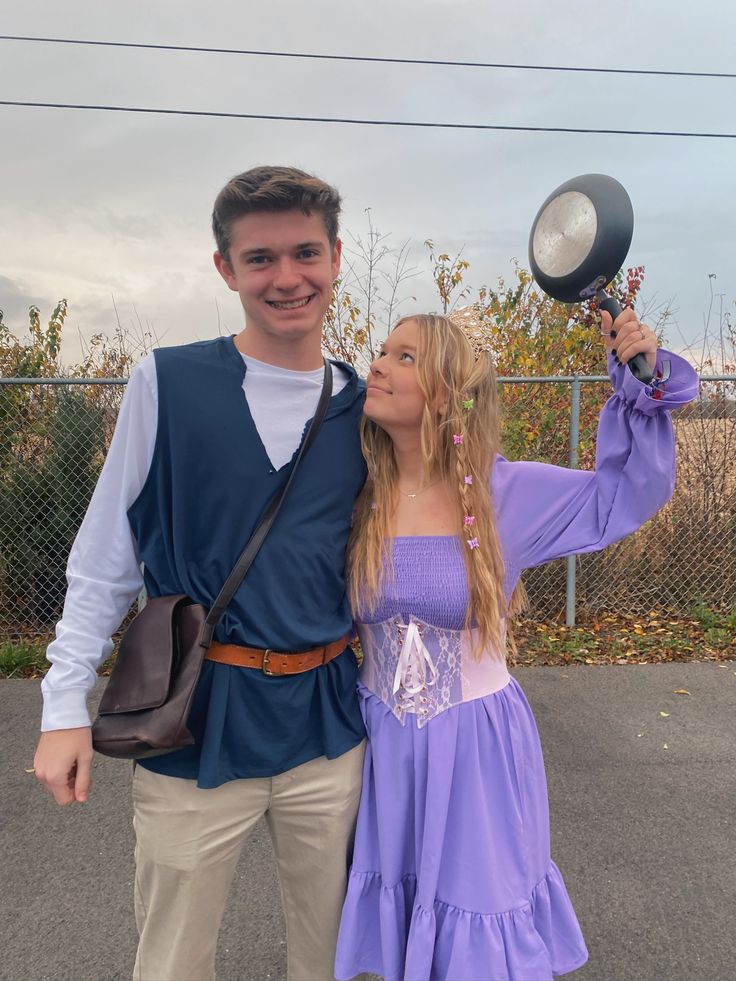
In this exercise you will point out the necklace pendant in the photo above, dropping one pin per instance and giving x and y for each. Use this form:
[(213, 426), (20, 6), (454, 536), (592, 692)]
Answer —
[(412, 496)]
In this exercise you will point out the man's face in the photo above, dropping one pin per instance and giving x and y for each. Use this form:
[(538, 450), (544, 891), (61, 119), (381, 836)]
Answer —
[(282, 266)]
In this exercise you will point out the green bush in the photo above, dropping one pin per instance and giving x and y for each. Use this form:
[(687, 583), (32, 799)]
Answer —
[(45, 490)]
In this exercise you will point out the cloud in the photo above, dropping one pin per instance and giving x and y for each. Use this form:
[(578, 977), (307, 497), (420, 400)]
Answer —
[(102, 204), (15, 299)]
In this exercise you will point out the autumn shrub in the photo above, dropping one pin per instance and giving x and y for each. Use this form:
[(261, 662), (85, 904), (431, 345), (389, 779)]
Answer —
[(52, 444)]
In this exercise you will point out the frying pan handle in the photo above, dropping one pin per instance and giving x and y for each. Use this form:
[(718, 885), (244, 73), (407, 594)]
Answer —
[(610, 304), (638, 365), (640, 368)]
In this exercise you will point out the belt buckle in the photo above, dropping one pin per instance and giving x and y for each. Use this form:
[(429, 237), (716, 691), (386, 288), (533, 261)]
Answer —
[(265, 666)]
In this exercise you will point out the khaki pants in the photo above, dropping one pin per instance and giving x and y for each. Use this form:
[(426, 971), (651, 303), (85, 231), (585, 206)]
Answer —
[(188, 844)]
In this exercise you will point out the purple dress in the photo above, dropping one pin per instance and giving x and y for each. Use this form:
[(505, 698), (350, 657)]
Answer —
[(452, 876)]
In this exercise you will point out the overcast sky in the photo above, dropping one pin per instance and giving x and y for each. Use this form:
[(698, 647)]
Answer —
[(99, 206)]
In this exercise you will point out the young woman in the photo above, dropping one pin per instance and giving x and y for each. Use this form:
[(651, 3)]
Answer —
[(452, 876)]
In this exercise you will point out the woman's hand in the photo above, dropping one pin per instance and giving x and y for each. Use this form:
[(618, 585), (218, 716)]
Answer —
[(626, 337)]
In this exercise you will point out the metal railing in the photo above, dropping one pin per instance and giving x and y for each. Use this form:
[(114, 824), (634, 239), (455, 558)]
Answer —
[(54, 433)]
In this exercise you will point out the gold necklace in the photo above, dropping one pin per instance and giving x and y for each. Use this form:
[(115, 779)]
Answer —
[(418, 492)]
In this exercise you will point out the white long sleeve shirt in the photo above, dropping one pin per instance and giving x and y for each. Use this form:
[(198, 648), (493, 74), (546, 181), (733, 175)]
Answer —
[(103, 573)]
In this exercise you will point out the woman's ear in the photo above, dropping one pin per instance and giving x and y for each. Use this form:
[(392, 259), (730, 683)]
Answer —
[(440, 401)]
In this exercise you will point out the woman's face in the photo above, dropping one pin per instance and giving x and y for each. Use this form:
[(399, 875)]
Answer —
[(394, 399)]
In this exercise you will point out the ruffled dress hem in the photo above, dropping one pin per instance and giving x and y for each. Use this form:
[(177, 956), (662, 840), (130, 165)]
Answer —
[(394, 936)]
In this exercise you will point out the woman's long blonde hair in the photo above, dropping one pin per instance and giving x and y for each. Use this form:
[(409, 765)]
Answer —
[(459, 439)]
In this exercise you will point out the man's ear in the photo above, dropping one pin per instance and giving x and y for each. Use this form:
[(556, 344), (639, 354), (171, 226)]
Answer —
[(336, 255), (222, 265)]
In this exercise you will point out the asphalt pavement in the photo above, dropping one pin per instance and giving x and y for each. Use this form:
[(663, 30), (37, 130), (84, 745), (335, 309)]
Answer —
[(642, 785)]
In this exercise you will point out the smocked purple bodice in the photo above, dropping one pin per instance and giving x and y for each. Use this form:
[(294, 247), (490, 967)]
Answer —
[(430, 582)]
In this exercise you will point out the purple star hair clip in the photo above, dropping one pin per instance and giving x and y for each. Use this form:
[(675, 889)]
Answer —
[(473, 542), (469, 479), (458, 439), (469, 520)]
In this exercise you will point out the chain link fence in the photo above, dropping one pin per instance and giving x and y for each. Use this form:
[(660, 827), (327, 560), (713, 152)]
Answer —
[(54, 435), (53, 439), (683, 557)]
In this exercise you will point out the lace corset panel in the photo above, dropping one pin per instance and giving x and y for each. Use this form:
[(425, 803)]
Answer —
[(415, 667)]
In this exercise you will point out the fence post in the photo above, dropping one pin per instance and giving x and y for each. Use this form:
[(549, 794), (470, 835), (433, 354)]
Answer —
[(573, 461)]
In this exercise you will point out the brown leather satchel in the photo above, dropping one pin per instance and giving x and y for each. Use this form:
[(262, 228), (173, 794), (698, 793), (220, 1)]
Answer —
[(145, 707)]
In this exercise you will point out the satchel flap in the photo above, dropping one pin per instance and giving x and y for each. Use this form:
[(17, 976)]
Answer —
[(142, 675)]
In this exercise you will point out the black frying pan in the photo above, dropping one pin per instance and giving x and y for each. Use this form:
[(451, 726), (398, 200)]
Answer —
[(579, 241)]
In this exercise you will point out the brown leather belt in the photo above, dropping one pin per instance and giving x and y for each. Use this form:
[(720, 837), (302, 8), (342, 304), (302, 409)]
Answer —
[(276, 662)]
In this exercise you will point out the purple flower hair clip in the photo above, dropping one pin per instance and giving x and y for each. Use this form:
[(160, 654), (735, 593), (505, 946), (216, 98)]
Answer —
[(469, 520)]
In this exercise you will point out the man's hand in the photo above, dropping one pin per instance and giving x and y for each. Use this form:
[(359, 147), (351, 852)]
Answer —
[(63, 763)]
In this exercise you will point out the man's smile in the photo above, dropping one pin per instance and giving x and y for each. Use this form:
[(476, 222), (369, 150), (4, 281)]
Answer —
[(290, 304)]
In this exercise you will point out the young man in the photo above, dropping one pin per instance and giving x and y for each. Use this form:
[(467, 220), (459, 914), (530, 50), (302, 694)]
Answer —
[(205, 437)]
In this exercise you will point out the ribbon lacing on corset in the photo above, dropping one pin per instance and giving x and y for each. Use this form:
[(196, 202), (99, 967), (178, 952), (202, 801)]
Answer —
[(415, 670)]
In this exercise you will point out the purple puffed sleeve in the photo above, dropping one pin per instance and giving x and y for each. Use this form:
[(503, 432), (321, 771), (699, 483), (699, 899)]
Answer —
[(546, 512)]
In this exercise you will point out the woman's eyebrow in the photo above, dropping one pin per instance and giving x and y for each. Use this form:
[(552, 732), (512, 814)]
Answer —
[(399, 347)]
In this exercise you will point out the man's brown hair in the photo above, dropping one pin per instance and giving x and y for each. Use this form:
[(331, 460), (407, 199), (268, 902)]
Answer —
[(273, 189)]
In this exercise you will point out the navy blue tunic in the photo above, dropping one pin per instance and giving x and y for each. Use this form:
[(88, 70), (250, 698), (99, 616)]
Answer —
[(209, 482)]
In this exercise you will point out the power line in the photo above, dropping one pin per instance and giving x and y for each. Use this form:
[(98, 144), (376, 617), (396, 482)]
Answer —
[(370, 122), (367, 58)]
